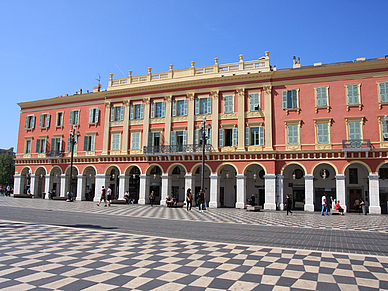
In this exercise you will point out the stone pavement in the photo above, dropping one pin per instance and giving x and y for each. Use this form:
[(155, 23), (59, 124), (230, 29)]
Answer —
[(41, 257)]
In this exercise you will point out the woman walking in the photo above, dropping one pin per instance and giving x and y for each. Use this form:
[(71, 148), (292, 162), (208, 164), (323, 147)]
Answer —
[(288, 204), (189, 200)]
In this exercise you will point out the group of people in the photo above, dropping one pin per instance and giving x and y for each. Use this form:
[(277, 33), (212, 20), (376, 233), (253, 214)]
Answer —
[(7, 191), (201, 200), (327, 204), (106, 196)]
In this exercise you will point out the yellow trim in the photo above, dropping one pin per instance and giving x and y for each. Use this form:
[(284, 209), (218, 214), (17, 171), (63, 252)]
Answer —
[(252, 164), (87, 167), (196, 166), (151, 166), (220, 167), (109, 167), (324, 163), (130, 167), (172, 167), (292, 163)]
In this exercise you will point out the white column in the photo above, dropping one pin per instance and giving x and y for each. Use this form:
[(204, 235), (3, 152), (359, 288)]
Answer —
[(100, 181), (270, 191), (241, 191), (63, 186), (374, 194), (143, 189), (47, 185), (80, 186), (32, 185), (341, 190), (165, 188), (17, 180), (214, 191), (122, 181), (309, 192), (279, 191), (189, 183)]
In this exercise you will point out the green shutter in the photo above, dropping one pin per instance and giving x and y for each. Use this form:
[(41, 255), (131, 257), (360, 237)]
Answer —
[(37, 146), (142, 111), (174, 108), (135, 140), (186, 104), (52, 145), (33, 122), (97, 114), (221, 137), (254, 101), (48, 119), (209, 137), (384, 92), (354, 130), (164, 109), (150, 139), (293, 134), (294, 99), (71, 118), (92, 143), (112, 113), (86, 142), (40, 121), (209, 105), (353, 94), (284, 100), (122, 112), (184, 142), (91, 111), (262, 136), (172, 138), (195, 136), (196, 103), (234, 136), (153, 110), (26, 123), (68, 145), (247, 133), (132, 111), (319, 97)]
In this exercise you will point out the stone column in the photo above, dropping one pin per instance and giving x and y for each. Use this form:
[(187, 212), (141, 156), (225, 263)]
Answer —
[(374, 194), (47, 185), (280, 193), (32, 184), (214, 191), (80, 186), (100, 181), (189, 183), (215, 118), (165, 188), (270, 191), (309, 192), (105, 143), (124, 148), (167, 126), (63, 186), (143, 189), (341, 190), (241, 191), (241, 120), (190, 118), (17, 180), (122, 182), (268, 117), (146, 121)]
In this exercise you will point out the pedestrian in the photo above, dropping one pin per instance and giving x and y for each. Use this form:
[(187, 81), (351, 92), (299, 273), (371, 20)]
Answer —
[(109, 195), (29, 191), (251, 201), (324, 205), (126, 197), (8, 191), (152, 198), (189, 200), (103, 196), (363, 206), (200, 201), (88, 194), (357, 205), (204, 201), (339, 208), (288, 204)]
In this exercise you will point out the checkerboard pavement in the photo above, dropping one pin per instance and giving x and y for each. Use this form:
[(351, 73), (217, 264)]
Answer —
[(42, 257)]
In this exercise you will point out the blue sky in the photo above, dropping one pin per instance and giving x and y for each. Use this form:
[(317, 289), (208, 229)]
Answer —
[(52, 48)]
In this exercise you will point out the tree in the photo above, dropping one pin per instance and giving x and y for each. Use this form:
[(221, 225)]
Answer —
[(7, 169)]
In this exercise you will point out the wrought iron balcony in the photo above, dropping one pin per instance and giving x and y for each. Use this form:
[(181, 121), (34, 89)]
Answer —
[(54, 154), (356, 145), (169, 150)]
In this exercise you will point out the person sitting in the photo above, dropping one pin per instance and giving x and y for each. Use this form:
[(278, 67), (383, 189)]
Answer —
[(169, 201), (251, 201), (126, 197), (339, 208)]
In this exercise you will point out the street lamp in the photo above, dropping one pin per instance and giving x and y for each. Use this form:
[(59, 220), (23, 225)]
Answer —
[(202, 127), (73, 140)]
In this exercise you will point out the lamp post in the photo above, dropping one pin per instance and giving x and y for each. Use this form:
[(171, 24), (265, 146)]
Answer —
[(73, 140), (202, 127)]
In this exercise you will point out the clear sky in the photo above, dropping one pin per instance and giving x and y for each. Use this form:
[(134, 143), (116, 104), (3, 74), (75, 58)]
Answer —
[(50, 48)]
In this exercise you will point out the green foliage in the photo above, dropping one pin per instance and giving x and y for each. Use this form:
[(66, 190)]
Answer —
[(7, 170)]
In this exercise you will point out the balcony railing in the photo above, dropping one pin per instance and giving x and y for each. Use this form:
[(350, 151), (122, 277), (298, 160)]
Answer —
[(356, 145), (54, 154), (176, 149)]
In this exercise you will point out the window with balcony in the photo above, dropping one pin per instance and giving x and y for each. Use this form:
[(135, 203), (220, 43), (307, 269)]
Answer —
[(228, 104), (41, 144), (254, 136), (93, 115), (198, 136), (178, 140), (68, 147), (44, 120), (137, 111), (56, 146), (227, 137), (154, 141), (29, 122), (74, 117), (179, 107), (203, 105), (254, 102), (89, 143), (117, 113), (158, 109)]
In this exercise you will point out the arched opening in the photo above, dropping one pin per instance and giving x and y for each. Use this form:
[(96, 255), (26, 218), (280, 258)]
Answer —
[(89, 177), (228, 189), (40, 177), (357, 186), (73, 181), (324, 184), (178, 183), (255, 184), (113, 181), (294, 185), (25, 180), (197, 182), (133, 184), (55, 181), (155, 183)]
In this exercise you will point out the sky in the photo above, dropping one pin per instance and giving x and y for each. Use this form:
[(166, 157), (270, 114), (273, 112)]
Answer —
[(50, 48)]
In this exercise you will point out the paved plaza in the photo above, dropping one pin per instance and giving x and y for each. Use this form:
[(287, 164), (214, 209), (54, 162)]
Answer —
[(38, 256)]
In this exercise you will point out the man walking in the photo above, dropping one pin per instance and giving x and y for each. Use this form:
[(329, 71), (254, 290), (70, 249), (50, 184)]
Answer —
[(103, 196), (152, 198), (109, 195), (324, 205), (200, 200)]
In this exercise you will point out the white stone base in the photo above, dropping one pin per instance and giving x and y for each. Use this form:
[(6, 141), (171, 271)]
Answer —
[(309, 207), (281, 206), (163, 202), (269, 206), (141, 201), (240, 205), (213, 204), (374, 210)]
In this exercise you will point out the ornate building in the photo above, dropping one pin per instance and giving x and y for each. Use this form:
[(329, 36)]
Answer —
[(302, 131)]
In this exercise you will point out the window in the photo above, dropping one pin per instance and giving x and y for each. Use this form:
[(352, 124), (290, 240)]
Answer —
[(354, 130), (383, 92), (179, 107), (56, 145), (116, 141), (290, 99), (353, 176), (353, 94), (292, 131), (293, 134), (75, 149), (44, 120), (321, 98), (136, 140), (30, 122), (384, 126), (41, 145), (198, 136), (383, 173), (178, 139), (89, 143), (323, 132), (59, 119), (137, 111), (254, 136), (93, 115), (27, 149), (154, 140), (74, 117), (203, 105), (254, 101), (158, 109), (227, 137), (117, 113), (228, 104)]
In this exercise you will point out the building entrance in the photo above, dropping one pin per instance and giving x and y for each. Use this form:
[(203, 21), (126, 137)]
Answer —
[(355, 193), (298, 199)]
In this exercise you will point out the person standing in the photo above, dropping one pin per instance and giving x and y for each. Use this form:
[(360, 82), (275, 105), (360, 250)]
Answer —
[(324, 205), (152, 198), (288, 204), (205, 207), (189, 200), (200, 201), (109, 195), (103, 196)]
